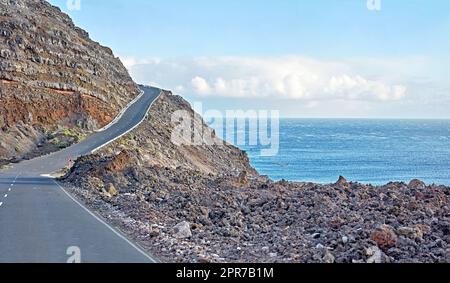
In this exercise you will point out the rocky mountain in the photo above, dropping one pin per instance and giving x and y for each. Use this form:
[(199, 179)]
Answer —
[(53, 76)]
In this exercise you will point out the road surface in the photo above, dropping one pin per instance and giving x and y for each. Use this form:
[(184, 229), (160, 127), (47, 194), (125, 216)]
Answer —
[(41, 223)]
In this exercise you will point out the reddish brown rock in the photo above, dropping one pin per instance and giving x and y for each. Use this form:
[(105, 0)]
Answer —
[(419, 196), (385, 237), (337, 223), (120, 162), (342, 183), (242, 178)]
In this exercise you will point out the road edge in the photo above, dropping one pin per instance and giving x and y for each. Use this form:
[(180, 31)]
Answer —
[(132, 128), (119, 116), (103, 221)]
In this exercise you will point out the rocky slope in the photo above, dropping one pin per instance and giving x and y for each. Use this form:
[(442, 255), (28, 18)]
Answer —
[(53, 76), (206, 204), (150, 144)]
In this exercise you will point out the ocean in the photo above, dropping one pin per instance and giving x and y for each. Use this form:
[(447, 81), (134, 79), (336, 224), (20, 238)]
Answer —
[(367, 151)]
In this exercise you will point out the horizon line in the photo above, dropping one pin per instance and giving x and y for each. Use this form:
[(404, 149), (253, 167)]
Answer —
[(360, 118)]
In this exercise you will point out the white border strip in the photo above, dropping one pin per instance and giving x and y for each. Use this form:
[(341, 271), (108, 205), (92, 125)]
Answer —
[(152, 260), (134, 127)]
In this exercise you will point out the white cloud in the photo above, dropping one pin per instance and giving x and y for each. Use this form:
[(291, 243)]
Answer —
[(130, 62), (201, 86), (358, 87), (291, 77)]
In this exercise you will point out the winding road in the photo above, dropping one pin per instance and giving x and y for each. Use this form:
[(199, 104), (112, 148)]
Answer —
[(41, 223)]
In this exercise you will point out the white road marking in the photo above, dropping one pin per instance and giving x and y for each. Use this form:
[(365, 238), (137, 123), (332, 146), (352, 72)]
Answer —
[(129, 130), (15, 179), (10, 188), (106, 224), (48, 176), (118, 117)]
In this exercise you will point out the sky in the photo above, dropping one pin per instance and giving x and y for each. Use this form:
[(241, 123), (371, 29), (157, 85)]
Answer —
[(322, 58)]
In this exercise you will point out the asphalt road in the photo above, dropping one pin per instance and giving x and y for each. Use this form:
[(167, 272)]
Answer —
[(41, 223)]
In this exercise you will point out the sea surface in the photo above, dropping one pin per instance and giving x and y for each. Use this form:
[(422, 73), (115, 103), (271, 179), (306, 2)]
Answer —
[(367, 151)]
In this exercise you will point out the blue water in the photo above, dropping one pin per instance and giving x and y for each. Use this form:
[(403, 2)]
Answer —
[(367, 151)]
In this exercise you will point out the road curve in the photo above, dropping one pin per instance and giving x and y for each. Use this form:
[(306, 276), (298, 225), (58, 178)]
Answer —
[(41, 223)]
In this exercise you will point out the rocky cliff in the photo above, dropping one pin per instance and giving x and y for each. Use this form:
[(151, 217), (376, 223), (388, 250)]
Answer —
[(53, 76)]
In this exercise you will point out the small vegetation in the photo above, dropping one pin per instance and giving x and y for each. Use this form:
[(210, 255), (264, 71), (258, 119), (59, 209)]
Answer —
[(75, 134), (65, 138)]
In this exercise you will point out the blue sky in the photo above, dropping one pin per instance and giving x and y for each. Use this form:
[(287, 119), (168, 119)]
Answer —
[(323, 58)]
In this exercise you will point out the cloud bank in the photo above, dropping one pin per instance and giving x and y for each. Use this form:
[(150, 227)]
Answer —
[(291, 77)]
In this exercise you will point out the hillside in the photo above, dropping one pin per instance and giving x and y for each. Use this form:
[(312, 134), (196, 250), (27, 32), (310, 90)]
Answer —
[(53, 77), (206, 204), (150, 145)]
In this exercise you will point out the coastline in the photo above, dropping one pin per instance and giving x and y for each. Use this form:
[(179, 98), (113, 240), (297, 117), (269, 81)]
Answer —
[(368, 151), (207, 204), (256, 220)]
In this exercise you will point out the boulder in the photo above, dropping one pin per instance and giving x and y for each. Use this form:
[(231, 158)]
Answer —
[(112, 191), (182, 230), (342, 183), (410, 232), (417, 184), (96, 183), (385, 237)]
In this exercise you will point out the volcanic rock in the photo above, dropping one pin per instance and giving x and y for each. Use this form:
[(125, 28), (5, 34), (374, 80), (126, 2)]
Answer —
[(385, 237), (342, 183), (417, 184), (182, 230)]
